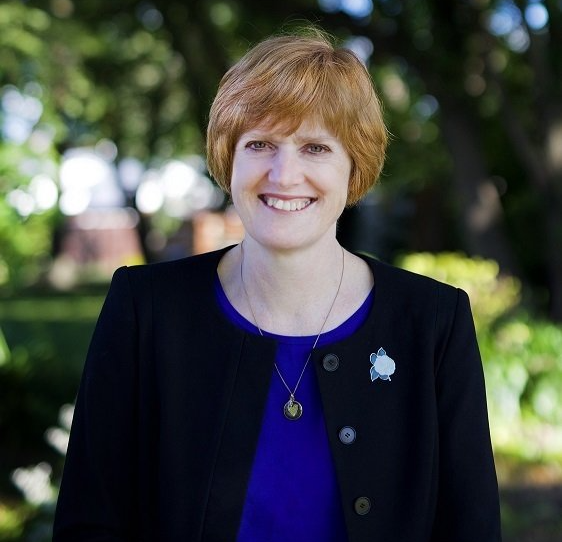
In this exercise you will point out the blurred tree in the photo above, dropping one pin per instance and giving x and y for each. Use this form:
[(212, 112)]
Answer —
[(28, 127), (493, 66), (530, 101), (472, 88)]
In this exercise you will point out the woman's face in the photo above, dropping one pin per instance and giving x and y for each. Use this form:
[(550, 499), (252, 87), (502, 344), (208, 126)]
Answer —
[(289, 190)]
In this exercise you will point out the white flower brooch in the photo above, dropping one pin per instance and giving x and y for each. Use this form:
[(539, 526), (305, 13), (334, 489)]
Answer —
[(383, 365)]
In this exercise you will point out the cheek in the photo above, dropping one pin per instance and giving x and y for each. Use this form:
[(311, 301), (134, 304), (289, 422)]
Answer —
[(241, 188), (235, 191), (344, 167), (237, 177), (346, 176)]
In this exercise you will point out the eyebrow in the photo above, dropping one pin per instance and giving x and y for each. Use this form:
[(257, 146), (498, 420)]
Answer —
[(324, 136)]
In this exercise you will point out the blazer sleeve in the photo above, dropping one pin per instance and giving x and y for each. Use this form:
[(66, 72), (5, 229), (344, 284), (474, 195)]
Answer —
[(97, 495), (468, 504)]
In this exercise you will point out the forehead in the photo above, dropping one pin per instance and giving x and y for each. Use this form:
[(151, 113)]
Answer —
[(308, 127)]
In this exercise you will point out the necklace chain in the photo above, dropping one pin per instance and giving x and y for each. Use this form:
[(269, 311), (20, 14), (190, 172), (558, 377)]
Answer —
[(292, 409)]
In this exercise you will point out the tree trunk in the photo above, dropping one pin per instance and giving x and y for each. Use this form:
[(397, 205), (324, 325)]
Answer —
[(480, 209)]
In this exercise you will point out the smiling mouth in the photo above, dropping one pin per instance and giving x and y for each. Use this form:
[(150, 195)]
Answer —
[(297, 204)]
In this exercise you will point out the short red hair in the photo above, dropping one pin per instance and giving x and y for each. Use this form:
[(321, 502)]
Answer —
[(286, 79)]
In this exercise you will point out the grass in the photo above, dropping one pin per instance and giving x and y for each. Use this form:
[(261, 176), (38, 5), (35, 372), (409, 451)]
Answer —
[(532, 513), (47, 337), (51, 309)]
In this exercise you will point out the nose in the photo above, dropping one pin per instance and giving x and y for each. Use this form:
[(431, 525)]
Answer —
[(285, 170)]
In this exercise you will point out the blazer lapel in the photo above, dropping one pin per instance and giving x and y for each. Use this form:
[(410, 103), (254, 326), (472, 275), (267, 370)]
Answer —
[(239, 439)]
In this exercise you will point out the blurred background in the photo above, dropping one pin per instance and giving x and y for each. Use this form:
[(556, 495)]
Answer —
[(103, 108)]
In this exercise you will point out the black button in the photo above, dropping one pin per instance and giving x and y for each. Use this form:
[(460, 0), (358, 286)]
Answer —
[(362, 505), (330, 362), (347, 435)]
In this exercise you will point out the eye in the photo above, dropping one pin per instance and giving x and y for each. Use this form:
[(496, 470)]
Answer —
[(316, 148), (256, 145)]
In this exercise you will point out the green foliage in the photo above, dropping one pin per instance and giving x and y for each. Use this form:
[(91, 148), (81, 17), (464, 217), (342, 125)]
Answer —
[(11, 523), (89, 77), (524, 375), (491, 295), (25, 240), (46, 337), (26, 69), (522, 355), (24, 522)]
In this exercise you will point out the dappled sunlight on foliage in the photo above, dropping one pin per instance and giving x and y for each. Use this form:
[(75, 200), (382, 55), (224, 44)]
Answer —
[(26, 227), (522, 356), (491, 295), (11, 522), (523, 363)]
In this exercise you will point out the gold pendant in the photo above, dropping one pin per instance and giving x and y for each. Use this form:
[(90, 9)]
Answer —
[(292, 409)]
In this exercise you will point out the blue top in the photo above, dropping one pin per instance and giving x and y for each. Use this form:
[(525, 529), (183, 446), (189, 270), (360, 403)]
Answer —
[(293, 492)]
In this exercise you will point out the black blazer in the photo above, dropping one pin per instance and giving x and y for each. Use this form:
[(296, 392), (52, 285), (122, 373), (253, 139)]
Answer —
[(171, 400)]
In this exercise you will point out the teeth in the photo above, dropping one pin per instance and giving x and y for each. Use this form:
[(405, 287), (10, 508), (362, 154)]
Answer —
[(284, 205)]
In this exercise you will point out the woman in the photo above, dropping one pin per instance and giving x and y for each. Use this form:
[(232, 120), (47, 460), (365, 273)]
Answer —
[(284, 388)]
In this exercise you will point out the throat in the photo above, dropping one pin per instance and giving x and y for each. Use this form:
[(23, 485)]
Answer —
[(289, 306)]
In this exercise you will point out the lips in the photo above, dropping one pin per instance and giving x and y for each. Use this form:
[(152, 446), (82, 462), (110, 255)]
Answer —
[(294, 204)]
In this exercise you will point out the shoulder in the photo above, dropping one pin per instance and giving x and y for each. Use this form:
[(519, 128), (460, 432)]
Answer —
[(397, 278), (192, 267), (167, 284), (410, 291), (423, 303)]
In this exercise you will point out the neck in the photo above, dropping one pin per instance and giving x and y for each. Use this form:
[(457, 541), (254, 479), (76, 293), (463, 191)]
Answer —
[(293, 272), (289, 291)]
